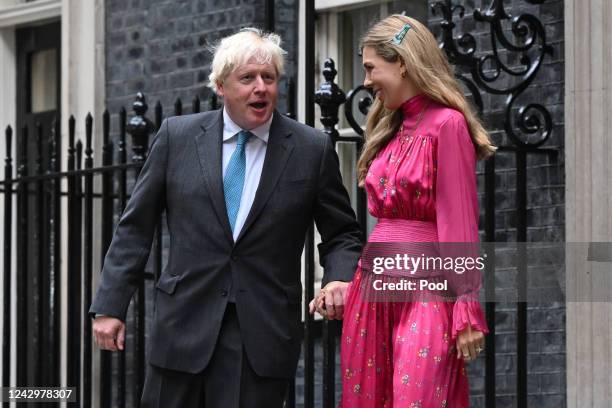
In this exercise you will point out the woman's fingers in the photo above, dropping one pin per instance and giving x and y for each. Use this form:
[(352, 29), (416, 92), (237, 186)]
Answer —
[(463, 350), (317, 305), (472, 350), (339, 304), (329, 305), (470, 344), (311, 306)]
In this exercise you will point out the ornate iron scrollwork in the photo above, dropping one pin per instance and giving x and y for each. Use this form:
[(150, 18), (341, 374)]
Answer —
[(532, 119), (363, 104), (530, 125)]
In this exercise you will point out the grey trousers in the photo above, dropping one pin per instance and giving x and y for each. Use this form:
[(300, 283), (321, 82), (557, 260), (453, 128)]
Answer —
[(227, 382)]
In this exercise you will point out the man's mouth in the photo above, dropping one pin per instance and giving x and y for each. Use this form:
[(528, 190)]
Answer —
[(259, 105)]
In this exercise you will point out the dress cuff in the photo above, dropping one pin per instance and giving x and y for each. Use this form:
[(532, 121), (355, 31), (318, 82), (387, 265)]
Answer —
[(468, 312)]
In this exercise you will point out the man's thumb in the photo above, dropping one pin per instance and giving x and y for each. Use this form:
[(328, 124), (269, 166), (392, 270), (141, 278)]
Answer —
[(121, 337)]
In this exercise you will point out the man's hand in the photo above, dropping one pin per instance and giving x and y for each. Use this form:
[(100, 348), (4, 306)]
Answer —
[(329, 303), (109, 333), (469, 343)]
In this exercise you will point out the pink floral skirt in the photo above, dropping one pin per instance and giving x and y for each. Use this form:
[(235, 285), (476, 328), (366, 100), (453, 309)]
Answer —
[(403, 354), (399, 354)]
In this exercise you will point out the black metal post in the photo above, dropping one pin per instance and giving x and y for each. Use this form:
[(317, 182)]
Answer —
[(55, 261), (291, 109), (107, 234), (74, 277), (178, 107), (329, 97), (309, 63), (521, 306), (22, 264), (88, 263), (7, 270), (122, 202), (140, 127), (77, 247), (490, 283), (40, 339), (269, 13), (157, 240), (196, 106)]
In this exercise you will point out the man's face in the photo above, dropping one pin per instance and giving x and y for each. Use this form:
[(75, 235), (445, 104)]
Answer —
[(250, 93)]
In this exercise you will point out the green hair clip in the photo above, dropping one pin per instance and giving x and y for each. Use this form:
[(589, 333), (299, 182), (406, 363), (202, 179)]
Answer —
[(397, 39)]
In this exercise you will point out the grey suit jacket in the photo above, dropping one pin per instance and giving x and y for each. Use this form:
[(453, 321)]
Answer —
[(300, 182)]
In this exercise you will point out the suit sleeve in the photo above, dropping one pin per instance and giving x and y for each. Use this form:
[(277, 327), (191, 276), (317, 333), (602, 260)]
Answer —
[(335, 219), (457, 219), (131, 244)]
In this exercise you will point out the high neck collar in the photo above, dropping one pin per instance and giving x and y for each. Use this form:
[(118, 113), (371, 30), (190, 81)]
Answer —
[(414, 105)]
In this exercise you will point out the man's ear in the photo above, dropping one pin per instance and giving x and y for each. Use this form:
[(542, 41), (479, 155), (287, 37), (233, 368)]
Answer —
[(220, 90)]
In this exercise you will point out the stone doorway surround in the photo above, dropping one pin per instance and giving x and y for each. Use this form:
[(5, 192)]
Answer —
[(588, 143)]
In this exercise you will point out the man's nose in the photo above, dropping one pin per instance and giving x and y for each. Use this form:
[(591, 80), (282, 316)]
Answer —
[(367, 82), (260, 85)]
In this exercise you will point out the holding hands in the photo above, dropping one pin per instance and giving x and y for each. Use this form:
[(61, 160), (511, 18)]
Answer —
[(329, 303)]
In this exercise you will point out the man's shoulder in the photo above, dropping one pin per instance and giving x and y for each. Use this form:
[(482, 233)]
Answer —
[(194, 119), (304, 133)]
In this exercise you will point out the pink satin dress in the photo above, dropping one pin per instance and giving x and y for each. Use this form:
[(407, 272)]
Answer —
[(422, 188)]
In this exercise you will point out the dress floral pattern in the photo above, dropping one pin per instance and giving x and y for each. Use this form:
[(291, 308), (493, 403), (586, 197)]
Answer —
[(422, 188)]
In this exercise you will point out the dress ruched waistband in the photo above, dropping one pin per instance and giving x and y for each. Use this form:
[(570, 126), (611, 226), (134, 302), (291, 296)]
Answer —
[(403, 230)]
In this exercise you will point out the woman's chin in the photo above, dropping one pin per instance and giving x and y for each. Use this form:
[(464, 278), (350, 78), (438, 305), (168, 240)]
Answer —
[(390, 105)]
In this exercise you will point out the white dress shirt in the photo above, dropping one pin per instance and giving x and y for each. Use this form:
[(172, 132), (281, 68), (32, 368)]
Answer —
[(255, 151)]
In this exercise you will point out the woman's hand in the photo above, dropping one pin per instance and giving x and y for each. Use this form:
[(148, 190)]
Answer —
[(329, 303), (470, 343)]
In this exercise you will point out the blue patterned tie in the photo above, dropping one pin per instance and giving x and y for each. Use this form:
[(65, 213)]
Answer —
[(234, 178)]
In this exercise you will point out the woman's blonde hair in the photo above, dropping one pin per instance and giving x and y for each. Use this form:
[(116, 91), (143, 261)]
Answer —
[(431, 73), (237, 49)]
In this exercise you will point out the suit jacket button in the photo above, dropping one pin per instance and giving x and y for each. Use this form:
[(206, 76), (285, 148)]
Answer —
[(224, 293), (234, 258)]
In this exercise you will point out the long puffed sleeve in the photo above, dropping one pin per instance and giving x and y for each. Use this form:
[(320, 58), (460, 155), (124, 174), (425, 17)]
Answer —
[(457, 218)]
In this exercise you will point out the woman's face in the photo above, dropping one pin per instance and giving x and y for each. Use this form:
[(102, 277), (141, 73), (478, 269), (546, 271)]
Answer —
[(385, 79)]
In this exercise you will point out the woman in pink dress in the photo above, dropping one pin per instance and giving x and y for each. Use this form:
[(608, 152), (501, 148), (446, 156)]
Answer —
[(418, 168)]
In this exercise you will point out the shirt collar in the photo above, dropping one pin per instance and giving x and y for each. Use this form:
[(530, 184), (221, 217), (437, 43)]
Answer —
[(230, 128)]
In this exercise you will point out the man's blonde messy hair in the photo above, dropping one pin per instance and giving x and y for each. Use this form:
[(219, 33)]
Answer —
[(237, 49)]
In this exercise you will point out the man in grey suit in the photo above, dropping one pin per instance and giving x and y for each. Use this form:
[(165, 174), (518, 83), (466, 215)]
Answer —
[(240, 187)]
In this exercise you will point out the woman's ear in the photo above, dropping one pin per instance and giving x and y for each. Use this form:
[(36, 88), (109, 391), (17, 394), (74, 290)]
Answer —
[(403, 70)]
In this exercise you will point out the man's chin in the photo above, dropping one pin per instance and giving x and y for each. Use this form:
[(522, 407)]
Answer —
[(258, 119)]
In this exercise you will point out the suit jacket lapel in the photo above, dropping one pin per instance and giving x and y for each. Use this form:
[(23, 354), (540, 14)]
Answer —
[(277, 153), (209, 145)]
